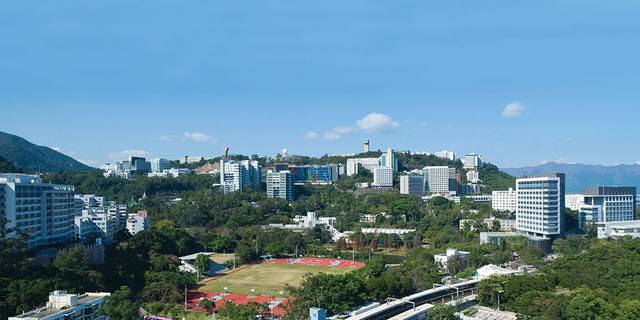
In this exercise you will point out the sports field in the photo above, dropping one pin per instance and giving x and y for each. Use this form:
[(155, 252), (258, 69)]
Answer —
[(267, 278)]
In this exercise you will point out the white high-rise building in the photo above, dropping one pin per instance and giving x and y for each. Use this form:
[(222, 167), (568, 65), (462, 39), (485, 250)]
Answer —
[(440, 180), (382, 177), (574, 201), (504, 200), (158, 165), (239, 175), (45, 211), (608, 204), (540, 206), (354, 165), (446, 155), (473, 161), (280, 185), (411, 184)]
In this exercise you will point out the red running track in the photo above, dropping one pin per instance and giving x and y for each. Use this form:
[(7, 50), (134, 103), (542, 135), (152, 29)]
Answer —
[(194, 296)]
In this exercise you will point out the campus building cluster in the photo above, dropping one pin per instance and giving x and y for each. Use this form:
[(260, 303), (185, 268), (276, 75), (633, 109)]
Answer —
[(239, 175), (139, 166), (52, 214)]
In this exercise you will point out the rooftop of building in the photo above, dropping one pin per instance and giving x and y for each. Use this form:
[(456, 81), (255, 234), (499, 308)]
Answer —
[(599, 191), (50, 309), (20, 178), (193, 256), (621, 224), (480, 312), (502, 234)]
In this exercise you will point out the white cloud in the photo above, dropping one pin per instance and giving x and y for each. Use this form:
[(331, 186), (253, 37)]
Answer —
[(167, 138), (199, 136), (337, 132), (311, 135), (56, 148), (125, 154), (377, 123), (513, 110)]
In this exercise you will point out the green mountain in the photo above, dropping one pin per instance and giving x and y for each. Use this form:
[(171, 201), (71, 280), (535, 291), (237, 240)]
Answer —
[(8, 167), (33, 158)]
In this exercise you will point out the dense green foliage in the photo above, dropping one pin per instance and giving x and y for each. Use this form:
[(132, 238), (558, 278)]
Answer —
[(494, 179), (24, 286), (408, 161), (34, 158), (123, 190), (120, 305), (6, 166), (592, 279), (230, 311)]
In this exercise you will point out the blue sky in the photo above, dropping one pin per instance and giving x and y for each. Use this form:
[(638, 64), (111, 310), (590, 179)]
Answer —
[(169, 78)]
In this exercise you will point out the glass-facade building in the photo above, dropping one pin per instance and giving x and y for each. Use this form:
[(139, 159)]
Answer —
[(608, 204), (320, 174)]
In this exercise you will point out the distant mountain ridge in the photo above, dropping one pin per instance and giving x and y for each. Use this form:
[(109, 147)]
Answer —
[(581, 176), (33, 158)]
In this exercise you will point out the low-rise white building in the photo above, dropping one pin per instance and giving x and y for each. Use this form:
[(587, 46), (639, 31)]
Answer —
[(369, 218), (172, 172), (355, 164), (618, 229), (397, 231), (442, 259), (480, 198), (446, 155), (311, 220), (67, 306), (138, 222), (95, 223), (361, 185), (504, 200), (505, 224), (191, 159), (573, 201)]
